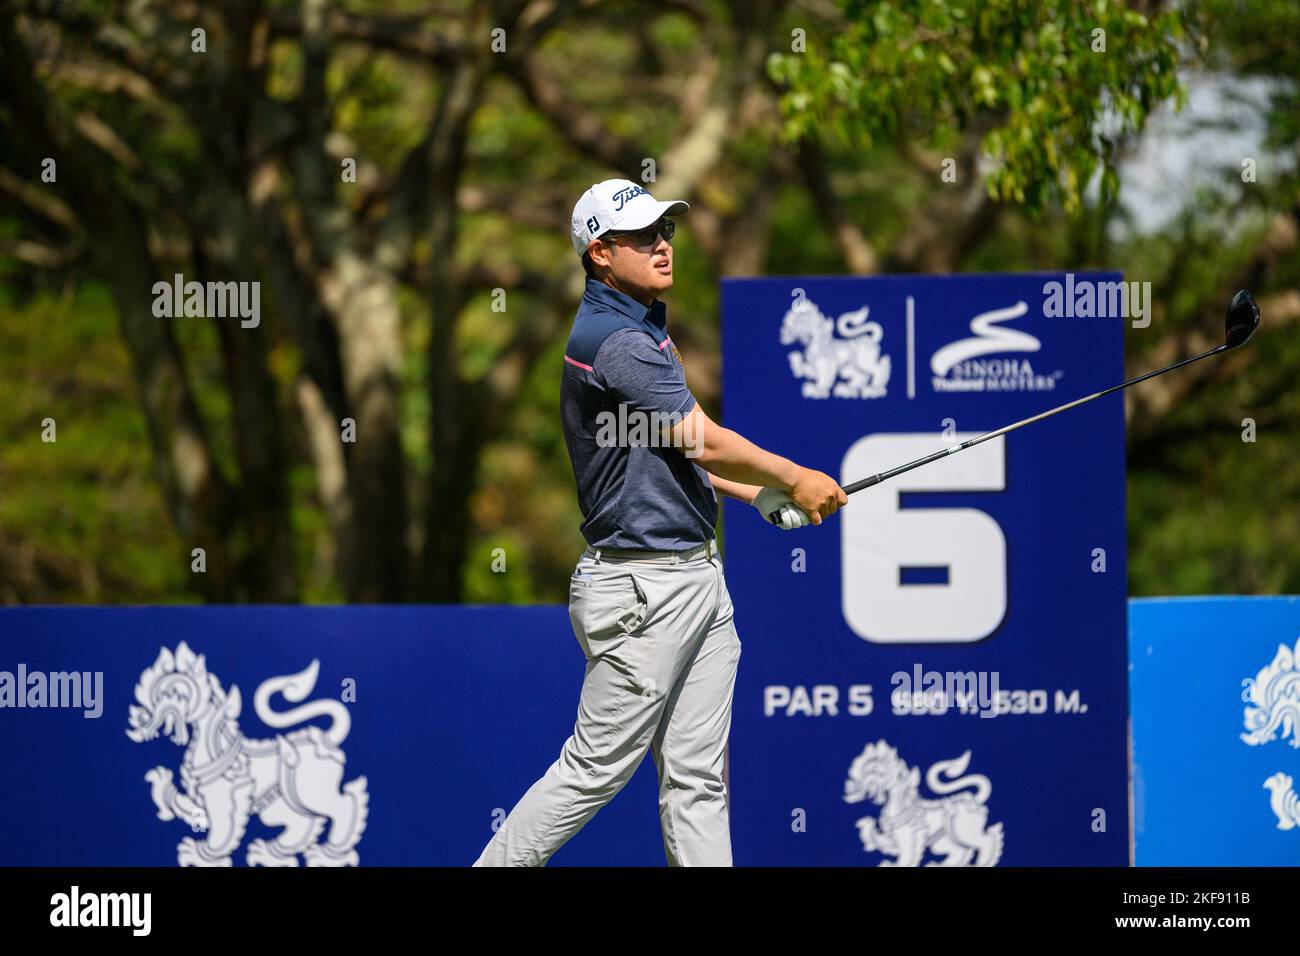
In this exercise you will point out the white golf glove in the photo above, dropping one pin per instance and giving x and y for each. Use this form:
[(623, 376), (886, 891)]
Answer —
[(779, 509)]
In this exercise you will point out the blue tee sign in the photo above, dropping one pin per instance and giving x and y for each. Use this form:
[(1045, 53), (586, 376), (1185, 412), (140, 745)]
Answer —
[(937, 673)]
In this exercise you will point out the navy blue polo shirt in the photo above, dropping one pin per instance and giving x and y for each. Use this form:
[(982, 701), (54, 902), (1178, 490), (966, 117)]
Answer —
[(622, 378)]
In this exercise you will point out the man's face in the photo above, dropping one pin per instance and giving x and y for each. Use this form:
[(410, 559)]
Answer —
[(639, 264)]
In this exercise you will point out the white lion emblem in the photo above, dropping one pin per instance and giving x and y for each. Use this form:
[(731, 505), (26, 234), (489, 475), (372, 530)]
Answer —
[(290, 782), (847, 367), (1273, 696), (953, 828)]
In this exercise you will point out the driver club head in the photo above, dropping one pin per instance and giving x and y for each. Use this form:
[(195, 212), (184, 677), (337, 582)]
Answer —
[(1242, 319)]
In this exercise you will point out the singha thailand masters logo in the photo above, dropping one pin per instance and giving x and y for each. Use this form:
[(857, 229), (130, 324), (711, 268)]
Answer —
[(290, 782), (850, 366), (985, 362), (1273, 712), (953, 827)]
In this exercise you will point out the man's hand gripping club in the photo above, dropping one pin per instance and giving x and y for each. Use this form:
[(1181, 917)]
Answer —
[(785, 494)]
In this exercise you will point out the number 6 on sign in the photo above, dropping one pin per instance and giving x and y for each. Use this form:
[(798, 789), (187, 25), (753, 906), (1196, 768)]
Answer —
[(880, 540)]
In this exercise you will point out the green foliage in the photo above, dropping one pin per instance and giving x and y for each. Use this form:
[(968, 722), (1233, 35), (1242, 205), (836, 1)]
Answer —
[(918, 68), (1020, 80), (1258, 39), (87, 500)]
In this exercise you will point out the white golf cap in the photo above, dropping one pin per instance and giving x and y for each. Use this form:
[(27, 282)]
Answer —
[(617, 204)]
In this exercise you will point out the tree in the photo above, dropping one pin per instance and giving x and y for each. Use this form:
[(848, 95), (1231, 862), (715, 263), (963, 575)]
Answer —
[(472, 128)]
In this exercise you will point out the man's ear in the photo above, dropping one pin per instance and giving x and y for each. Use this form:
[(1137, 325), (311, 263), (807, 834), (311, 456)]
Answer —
[(600, 253)]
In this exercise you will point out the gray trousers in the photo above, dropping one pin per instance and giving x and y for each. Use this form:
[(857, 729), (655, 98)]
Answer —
[(662, 651)]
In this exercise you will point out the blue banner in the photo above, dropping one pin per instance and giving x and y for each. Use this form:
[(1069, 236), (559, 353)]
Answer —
[(1216, 710), (937, 674), (414, 733)]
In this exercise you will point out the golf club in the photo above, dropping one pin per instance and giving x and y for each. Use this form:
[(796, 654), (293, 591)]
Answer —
[(1239, 325)]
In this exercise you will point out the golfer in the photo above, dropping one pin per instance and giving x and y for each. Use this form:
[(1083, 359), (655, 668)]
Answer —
[(647, 600)]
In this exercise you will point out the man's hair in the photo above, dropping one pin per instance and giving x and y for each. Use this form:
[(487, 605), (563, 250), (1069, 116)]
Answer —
[(588, 266)]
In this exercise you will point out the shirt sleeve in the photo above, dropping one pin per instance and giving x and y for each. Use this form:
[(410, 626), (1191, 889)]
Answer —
[(641, 375)]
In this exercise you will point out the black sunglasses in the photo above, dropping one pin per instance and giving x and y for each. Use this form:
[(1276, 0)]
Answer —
[(646, 236)]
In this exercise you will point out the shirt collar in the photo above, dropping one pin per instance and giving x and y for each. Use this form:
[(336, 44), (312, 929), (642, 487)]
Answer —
[(599, 292)]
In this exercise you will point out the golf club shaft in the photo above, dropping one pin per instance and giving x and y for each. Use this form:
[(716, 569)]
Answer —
[(885, 475)]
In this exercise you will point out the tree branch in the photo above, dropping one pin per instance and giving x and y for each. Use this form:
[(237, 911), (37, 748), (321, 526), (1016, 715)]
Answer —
[(40, 200), (408, 34)]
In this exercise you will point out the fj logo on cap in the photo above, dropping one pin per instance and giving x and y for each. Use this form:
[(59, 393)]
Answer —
[(593, 224)]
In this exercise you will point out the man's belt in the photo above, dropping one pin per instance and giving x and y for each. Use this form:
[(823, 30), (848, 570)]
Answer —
[(709, 549)]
